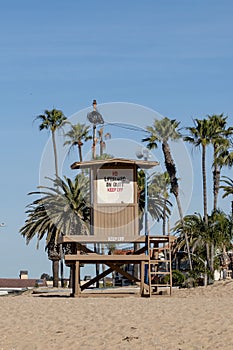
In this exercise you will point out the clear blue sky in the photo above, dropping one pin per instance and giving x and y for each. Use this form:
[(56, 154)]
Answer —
[(175, 57)]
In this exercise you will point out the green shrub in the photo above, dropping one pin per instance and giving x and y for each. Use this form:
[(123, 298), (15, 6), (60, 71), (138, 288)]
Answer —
[(177, 278)]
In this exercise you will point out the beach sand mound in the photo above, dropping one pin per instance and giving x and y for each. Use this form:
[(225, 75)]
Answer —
[(197, 318)]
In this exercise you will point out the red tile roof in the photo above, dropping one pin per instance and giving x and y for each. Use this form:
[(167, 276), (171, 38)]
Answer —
[(20, 283), (123, 251)]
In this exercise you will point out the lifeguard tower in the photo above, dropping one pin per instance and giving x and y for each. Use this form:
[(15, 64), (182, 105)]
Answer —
[(115, 219)]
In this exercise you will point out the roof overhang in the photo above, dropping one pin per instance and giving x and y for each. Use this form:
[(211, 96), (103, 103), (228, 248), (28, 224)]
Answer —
[(144, 164)]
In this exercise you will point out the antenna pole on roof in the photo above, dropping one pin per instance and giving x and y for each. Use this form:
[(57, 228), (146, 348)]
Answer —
[(95, 118)]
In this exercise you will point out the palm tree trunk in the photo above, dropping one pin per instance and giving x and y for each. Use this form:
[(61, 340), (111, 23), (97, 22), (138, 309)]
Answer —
[(164, 217), (216, 179), (171, 169), (205, 200), (56, 173), (80, 152), (55, 264), (204, 184), (216, 182), (54, 256), (212, 249), (185, 233), (55, 153)]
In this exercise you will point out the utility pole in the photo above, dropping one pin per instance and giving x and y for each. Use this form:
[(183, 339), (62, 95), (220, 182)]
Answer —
[(95, 118), (144, 153)]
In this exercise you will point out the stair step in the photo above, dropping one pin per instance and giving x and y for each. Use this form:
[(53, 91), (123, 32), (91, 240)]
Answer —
[(160, 285), (156, 261)]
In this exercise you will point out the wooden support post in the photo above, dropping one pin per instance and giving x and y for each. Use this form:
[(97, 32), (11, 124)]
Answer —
[(76, 286), (72, 276), (76, 275), (142, 274), (170, 265)]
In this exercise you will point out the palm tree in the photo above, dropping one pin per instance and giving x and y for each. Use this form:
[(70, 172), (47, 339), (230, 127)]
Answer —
[(220, 230), (39, 222), (217, 230), (225, 156), (104, 156), (195, 227), (53, 120), (159, 185), (157, 204), (205, 132), (221, 233), (101, 140), (219, 138), (77, 134), (200, 136), (161, 132), (63, 209), (228, 190)]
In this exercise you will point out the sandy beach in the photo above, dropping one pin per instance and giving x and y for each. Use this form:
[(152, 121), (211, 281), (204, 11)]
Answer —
[(199, 318)]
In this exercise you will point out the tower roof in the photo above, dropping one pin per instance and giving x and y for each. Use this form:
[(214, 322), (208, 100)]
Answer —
[(144, 164)]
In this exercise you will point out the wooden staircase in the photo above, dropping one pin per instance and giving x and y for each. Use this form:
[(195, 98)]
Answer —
[(158, 270)]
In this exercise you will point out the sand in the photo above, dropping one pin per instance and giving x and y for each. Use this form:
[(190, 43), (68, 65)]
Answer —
[(199, 318)]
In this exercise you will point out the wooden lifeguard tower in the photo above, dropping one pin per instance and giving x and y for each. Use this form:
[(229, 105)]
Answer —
[(114, 219)]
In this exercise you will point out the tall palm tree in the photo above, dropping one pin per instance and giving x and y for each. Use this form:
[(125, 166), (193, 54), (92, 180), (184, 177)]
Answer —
[(219, 138), (52, 121), (77, 134), (200, 136), (205, 132), (161, 132), (62, 209)]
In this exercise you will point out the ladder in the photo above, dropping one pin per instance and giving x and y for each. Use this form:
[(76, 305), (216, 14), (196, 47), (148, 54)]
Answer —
[(159, 265)]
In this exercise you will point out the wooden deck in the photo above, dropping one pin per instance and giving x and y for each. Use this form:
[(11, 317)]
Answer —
[(114, 262)]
